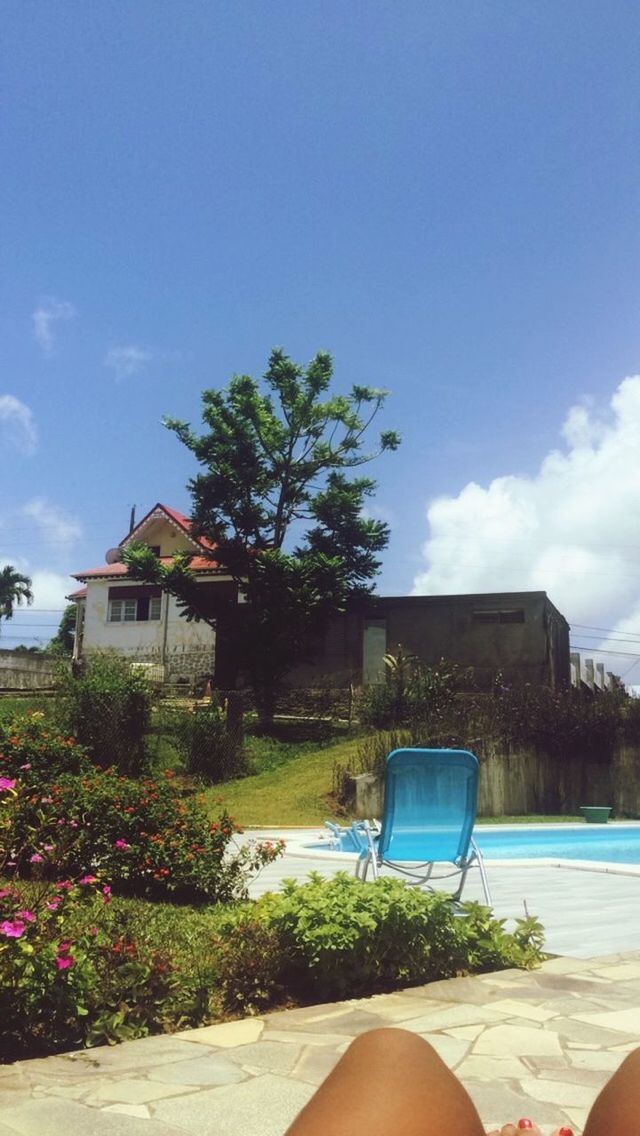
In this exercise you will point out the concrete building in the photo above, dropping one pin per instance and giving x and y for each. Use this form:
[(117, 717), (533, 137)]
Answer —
[(520, 635)]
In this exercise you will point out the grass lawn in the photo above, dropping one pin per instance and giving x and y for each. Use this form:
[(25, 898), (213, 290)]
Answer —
[(292, 786), (286, 790)]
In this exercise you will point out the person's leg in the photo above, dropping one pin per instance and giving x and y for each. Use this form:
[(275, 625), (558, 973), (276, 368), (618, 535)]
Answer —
[(616, 1111), (389, 1083)]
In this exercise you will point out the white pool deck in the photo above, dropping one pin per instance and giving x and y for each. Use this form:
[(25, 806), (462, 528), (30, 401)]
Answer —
[(588, 908)]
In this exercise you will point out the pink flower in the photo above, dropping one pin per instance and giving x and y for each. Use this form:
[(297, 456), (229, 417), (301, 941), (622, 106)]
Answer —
[(121, 844), (4, 892), (65, 963), (26, 916), (64, 948), (54, 903), (26, 766), (106, 891), (64, 885), (46, 800), (88, 880), (47, 847), (73, 824), (7, 783), (13, 929), (36, 858)]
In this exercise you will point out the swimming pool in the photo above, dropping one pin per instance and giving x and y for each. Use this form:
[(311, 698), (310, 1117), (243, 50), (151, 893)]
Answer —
[(616, 843)]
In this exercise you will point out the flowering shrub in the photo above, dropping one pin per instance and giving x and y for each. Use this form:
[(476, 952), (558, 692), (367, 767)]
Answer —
[(64, 982), (144, 836), (35, 751)]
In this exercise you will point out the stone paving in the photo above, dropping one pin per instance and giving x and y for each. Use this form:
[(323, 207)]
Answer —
[(538, 1044)]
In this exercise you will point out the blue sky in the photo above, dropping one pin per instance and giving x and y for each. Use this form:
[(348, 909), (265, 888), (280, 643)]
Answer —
[(443, 195)]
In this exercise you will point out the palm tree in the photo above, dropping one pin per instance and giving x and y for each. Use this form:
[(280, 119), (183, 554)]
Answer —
[(14, 589)]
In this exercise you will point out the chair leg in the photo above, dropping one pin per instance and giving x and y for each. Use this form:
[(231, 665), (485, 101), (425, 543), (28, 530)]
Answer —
[(463, 877), (483, 874)]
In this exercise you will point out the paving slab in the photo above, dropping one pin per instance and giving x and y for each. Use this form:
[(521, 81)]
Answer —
[(537, 1044), (263, 1106)]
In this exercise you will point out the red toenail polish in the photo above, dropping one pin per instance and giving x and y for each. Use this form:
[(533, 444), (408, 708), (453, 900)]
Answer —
[(565, 1132), (526, 1124)]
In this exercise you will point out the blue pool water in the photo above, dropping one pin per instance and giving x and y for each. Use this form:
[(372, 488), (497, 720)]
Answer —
[(615, 844)]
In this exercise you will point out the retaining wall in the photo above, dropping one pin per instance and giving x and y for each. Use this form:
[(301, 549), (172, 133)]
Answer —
[(516, 782), (27, 672)]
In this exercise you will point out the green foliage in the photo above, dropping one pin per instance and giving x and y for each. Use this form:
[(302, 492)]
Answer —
[(64, 980), (81, 967), (63, 640), (209, 750), (330, 939), (272, 458), (32, 748), (414, 693), (569, 723), (420, 706), (145, 836), (14, 589), (108, 709)]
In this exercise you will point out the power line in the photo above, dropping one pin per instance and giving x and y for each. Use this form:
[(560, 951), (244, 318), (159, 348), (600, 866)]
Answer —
[(608, 638), (16, 627), (613, 629), (601, 651)]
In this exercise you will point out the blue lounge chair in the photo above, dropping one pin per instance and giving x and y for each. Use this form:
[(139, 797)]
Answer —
[(430, 800)]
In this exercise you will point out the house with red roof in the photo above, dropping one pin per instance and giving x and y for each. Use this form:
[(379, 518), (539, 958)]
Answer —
[(140, 620), (518, 635)]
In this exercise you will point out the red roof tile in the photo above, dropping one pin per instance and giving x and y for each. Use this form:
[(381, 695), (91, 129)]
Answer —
[(79, 595), (198, 563)]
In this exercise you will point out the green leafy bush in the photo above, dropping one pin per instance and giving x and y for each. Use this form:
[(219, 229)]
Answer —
[(33, 748), (64, 981), (146, 836), (414, 693), (571, 722), (209, 750), (108, 709), (343, 938)]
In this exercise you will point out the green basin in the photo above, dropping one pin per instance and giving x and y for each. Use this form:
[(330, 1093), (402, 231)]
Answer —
[(596, 814)]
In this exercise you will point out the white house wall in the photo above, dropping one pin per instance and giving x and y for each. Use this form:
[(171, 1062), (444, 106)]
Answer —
[(183, 650)]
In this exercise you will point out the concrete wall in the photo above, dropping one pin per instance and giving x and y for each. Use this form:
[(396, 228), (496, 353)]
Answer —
[(27, 672), (518, 782), (535, 650)]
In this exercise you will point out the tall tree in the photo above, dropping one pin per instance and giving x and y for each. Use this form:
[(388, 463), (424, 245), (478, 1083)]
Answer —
[(15, 589), (273, 458)]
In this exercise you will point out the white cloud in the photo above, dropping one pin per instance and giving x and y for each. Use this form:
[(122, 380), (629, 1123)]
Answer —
[(57, 527), (49, 312), (127, 360), (49, 592), (17, 425), (571, 530)]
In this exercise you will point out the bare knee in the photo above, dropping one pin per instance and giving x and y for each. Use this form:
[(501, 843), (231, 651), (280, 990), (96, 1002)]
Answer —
[(631, 1063), (390, 1042)]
